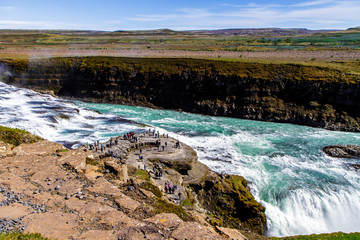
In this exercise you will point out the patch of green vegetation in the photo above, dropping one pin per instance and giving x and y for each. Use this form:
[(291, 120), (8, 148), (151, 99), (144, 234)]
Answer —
[(19, 65), (186, 203), (152, 188), (121, 98), (143, 125), (328, 236), (231, 203), (143, 174), (62, 150), (16, 136), (91, 161), (21, 236), (162, 206), (102, 68)]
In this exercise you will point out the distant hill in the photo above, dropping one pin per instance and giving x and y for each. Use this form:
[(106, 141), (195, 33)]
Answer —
[(256, 32), (264, 31), (60, 32), (354, 28)]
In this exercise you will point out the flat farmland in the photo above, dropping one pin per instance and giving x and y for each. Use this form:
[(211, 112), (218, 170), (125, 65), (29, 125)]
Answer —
[(340, 49)]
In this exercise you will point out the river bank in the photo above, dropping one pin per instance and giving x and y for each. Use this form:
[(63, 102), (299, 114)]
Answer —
[(286, 93), (84, 194)]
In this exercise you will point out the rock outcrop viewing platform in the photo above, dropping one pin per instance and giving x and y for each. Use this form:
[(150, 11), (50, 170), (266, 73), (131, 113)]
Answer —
[(138, 187)]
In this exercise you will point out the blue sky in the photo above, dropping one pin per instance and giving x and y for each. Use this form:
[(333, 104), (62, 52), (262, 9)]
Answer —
[(178, 15)]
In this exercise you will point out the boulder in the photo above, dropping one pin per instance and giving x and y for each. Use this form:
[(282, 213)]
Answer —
[(342, 151)]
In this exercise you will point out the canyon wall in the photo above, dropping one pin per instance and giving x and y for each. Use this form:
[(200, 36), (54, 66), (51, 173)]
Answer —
[(292, 93)]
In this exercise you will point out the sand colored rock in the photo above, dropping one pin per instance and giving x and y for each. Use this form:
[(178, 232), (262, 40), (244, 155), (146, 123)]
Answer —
[(14, 211), (5, 149), (100, 185), (120, 170), (195, 231), (43, 148), (231, 233), (165, 220), (62, 197), (127, 203), (97, 234), (55, 225), (92, 172)]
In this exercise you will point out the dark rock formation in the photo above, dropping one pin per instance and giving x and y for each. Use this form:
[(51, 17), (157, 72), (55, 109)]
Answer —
[(226, 198), (342, 151), (306, 95)]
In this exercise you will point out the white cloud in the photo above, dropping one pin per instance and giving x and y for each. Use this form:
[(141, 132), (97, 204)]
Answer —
[(313, 3), (313, 14), (184, 13), (317, 14)]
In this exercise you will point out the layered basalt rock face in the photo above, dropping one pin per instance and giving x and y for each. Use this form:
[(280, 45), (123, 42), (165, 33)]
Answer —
[(305, 95)]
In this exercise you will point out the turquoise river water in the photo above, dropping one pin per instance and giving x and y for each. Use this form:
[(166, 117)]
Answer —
[(303, 190)]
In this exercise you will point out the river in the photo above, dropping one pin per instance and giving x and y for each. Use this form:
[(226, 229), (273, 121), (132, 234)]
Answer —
[(303, 190)]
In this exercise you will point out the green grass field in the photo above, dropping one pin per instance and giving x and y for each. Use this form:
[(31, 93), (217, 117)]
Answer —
[(331, 236), (336, 49), (189, 41)]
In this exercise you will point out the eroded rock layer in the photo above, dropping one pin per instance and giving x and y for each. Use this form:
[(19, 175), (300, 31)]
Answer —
[(299, 94)]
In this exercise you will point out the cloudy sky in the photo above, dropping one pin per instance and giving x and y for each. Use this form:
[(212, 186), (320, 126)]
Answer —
[(178, 15)]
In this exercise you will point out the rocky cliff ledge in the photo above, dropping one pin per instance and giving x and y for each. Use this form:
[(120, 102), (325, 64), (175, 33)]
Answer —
[(342, 151), (85, 194), (299, 94)]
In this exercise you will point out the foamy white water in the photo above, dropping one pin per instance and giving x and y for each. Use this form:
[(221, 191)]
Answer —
[(303, 190), (57, 119)]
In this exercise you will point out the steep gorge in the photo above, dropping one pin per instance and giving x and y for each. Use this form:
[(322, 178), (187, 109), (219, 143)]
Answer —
[(299, 94)]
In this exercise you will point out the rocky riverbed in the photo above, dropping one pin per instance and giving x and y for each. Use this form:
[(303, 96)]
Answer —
[(342, 151), (114, 194)]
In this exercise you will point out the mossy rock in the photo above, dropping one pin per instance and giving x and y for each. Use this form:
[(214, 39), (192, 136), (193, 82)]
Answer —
[(62, 150), (143, 174), (91, 161), (231, 204), (162, 206), (16, 136), (152, 188)]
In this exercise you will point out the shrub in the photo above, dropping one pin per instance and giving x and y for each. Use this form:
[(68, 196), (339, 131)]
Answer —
[(142, 174), (21, 236), (91, 161), (152, 188), (162, 206), (16, 136)]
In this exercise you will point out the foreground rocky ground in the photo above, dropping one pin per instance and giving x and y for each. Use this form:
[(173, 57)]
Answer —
[(83, 194)]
